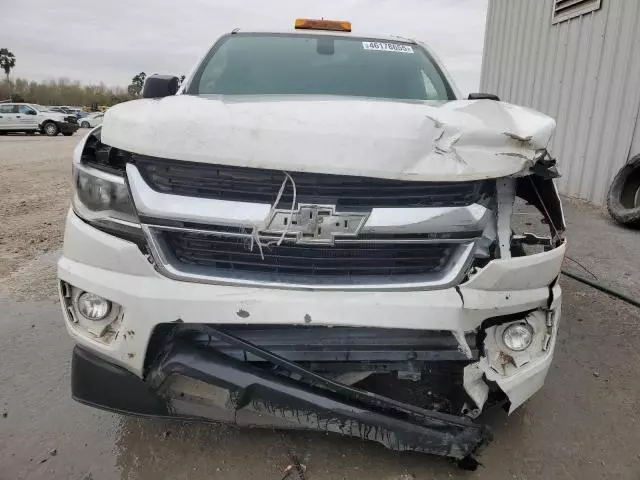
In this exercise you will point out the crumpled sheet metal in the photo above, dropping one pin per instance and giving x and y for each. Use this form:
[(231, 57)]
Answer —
[(486, 139), (409, 140)]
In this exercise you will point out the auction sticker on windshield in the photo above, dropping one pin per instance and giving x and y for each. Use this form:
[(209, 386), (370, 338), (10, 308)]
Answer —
[(387, 47)]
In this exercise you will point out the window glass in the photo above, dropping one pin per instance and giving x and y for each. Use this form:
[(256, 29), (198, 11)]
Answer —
[(429, 87), (283, 64), (26, 109), (6, 108)]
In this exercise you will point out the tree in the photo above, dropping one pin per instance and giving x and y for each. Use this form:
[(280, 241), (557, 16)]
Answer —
[(7, 61), (61, 92), (137, 82)]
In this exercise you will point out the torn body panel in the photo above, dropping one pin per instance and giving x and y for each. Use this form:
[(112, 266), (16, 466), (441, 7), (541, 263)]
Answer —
[(260, 398), (189, 381), (521, 374), (543, 194), (513, 277)]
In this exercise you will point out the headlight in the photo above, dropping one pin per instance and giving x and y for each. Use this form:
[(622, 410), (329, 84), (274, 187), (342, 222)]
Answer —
[(517, 336), (90, 314), (93, 307), (101, 196)]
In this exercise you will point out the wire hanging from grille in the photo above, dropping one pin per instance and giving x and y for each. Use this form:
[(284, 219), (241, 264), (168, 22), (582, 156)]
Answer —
[(255, 230)]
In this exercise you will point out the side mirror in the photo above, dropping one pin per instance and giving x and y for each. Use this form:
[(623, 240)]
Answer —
[(31, 112), (158, 86), (483, 96)]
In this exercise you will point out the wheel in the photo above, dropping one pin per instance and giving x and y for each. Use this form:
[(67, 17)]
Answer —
[(67, 134), (85, 125), (50, 129), (623, 199)]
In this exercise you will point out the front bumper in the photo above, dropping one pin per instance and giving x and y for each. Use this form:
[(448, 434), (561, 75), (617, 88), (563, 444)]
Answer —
[(248, 396), (117, 270), (67, 127)]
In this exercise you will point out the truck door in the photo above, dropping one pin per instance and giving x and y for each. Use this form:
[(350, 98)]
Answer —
[(6, 116), (27, 117)]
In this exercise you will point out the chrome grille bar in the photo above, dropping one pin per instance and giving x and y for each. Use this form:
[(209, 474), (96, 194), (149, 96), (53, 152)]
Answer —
[(208, 240)]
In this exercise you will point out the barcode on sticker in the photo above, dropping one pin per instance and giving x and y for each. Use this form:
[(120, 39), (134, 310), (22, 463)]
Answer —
[(387, 47)]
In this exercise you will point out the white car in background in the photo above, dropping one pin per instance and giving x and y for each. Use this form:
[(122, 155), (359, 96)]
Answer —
[(92, 120), (30, 117)]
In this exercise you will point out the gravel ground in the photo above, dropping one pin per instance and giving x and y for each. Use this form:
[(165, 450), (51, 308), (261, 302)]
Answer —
[(583, 424), (35, 186)]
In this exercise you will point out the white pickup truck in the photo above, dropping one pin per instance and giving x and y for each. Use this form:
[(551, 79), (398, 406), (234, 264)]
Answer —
[(31, 118), (314, 232)]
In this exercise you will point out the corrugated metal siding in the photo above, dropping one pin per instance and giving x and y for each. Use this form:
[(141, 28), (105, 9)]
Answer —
[(635, 145), (585, 72)]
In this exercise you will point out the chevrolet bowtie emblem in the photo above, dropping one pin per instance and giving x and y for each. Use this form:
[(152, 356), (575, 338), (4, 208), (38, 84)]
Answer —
[(319, 224)]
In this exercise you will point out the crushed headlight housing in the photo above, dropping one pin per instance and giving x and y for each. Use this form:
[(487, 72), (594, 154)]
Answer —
[(101, 196)]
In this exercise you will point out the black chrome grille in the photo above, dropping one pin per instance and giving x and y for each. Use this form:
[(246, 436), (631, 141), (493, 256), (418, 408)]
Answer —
[(347, 260), (262, 186)]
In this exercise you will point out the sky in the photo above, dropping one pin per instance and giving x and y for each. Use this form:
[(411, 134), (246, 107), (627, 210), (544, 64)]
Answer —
[(112, 40)]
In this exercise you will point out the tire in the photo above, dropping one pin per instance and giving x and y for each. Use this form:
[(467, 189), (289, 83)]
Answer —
[(85, 125), (623, 199), (67, 134), (50, 129)]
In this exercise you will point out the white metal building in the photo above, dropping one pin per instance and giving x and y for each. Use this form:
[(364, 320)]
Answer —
[(578, 61)]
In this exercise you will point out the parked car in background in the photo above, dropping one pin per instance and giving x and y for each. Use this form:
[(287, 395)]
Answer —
[(74, 110), (58, 109), (77, 112), (91, 120), (30, 117)]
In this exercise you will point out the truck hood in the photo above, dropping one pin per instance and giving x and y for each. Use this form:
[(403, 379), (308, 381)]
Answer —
[(457, 140), (57, 116)]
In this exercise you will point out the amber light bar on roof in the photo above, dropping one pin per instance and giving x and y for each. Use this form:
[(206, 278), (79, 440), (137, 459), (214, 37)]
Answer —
[(333, 25)]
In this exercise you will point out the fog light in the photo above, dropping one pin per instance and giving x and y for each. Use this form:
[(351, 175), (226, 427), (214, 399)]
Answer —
[(93, 307), (518, 336)]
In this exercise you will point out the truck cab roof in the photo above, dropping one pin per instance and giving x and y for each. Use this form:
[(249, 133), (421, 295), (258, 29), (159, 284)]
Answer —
[(330, 33)]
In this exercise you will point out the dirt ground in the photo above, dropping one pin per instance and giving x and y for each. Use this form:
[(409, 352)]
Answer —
[(584, 424), (35, 186)]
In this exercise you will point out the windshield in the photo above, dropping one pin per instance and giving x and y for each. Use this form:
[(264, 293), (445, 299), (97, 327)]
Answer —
[(295, 64)]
